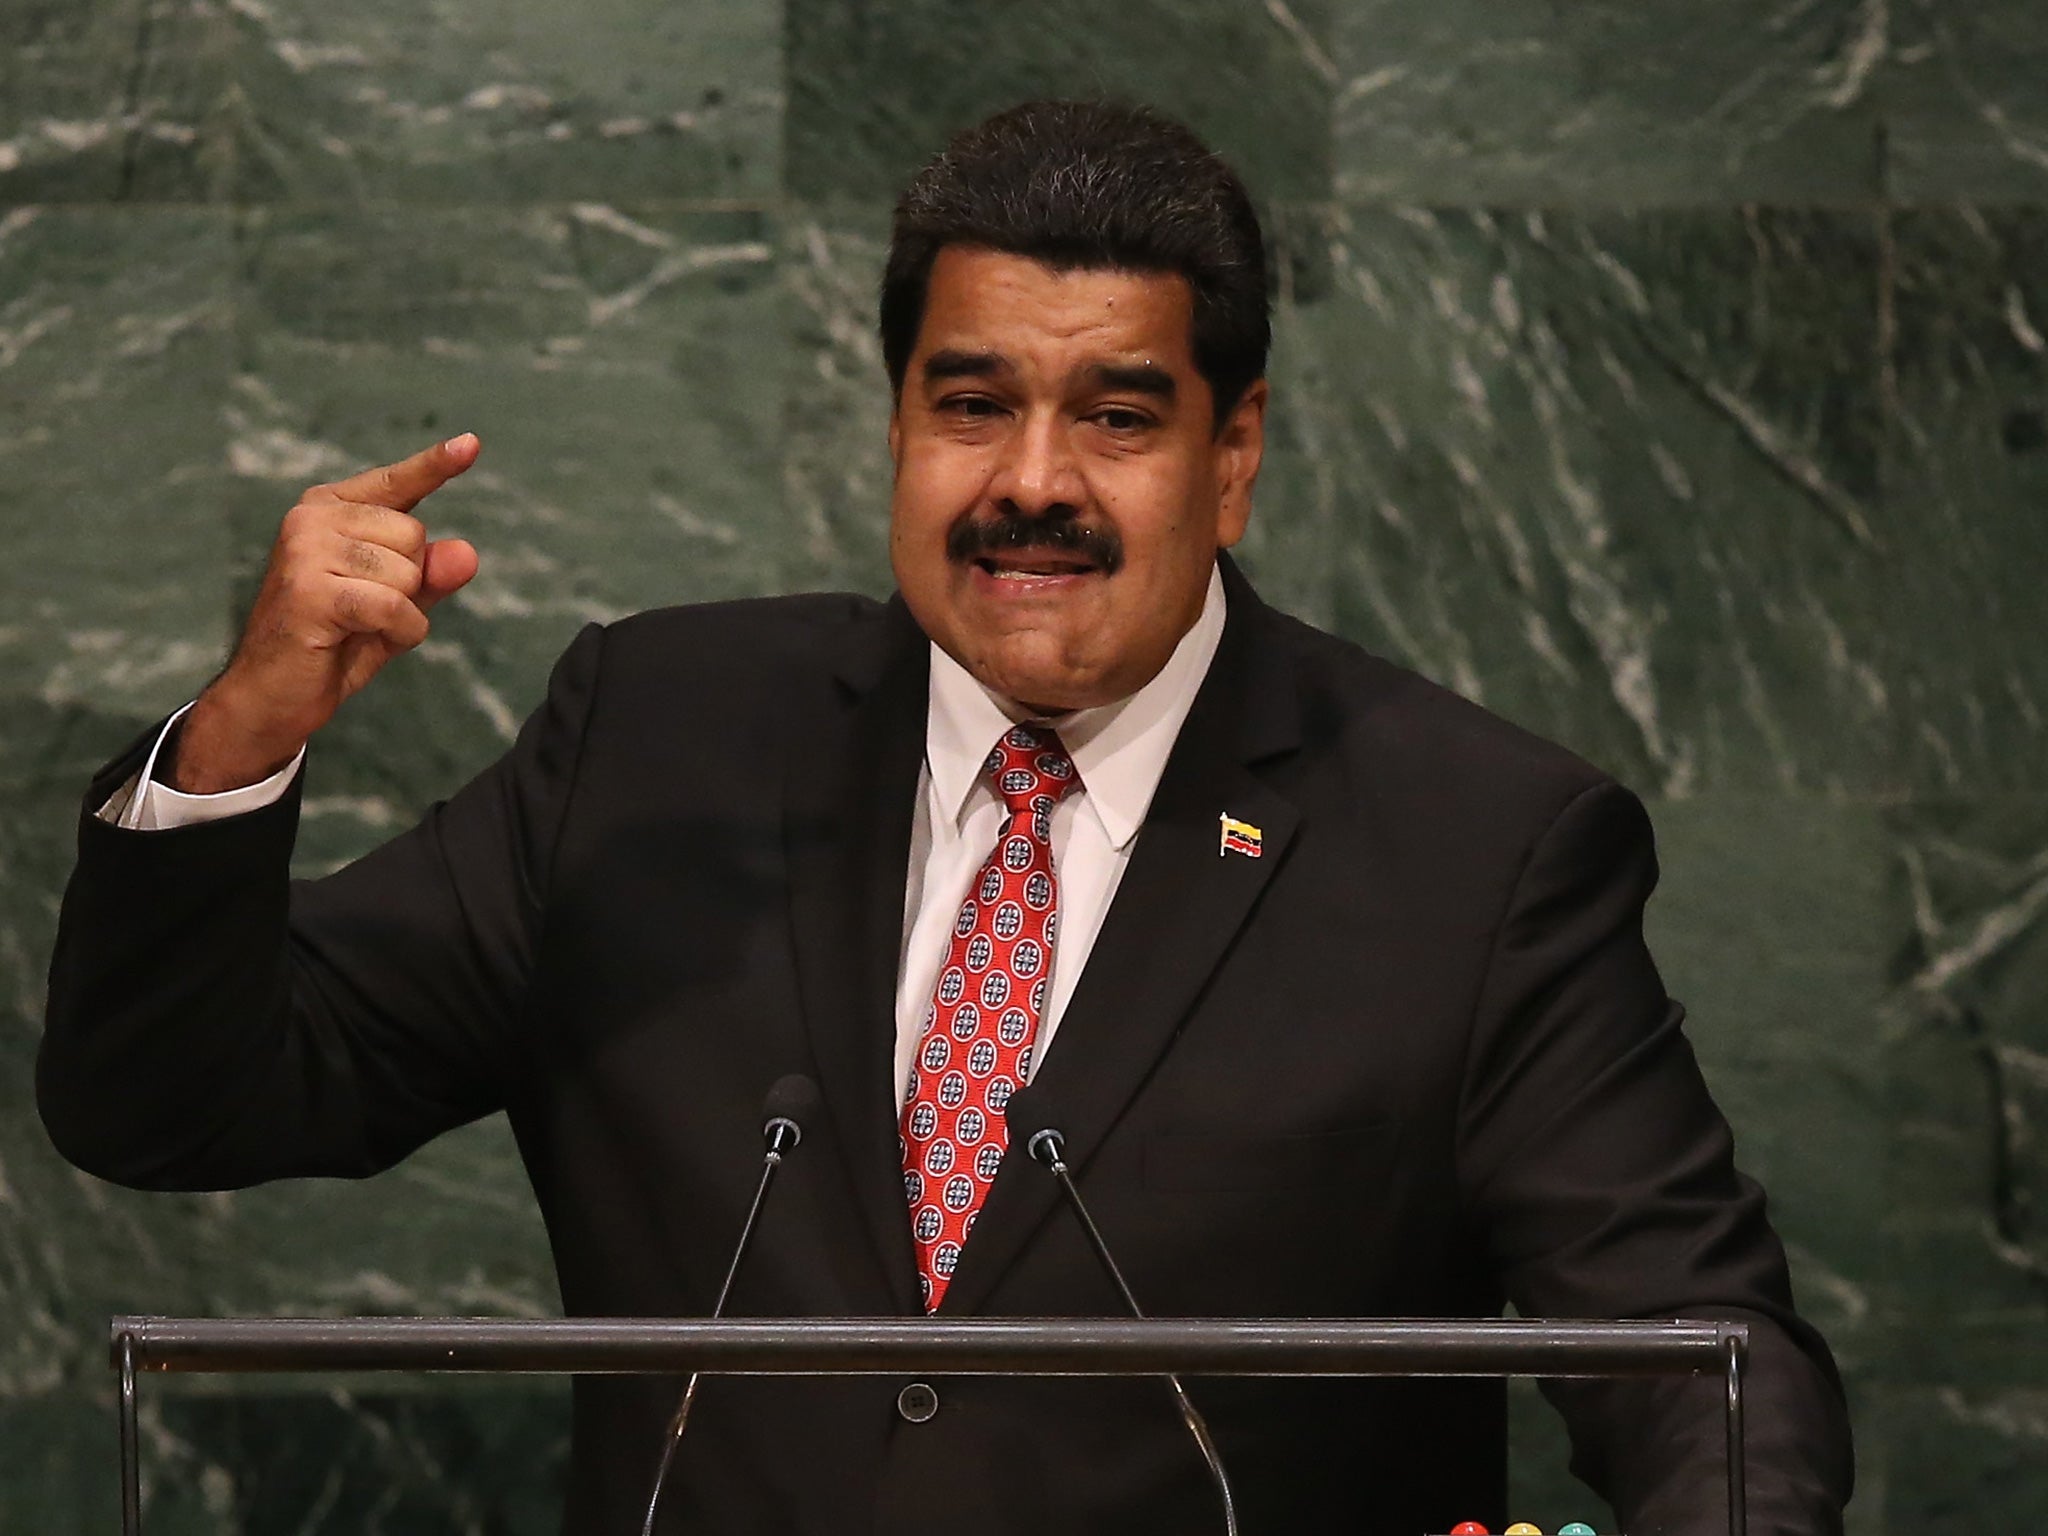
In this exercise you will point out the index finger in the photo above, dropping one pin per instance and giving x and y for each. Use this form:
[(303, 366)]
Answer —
[(404, 485)]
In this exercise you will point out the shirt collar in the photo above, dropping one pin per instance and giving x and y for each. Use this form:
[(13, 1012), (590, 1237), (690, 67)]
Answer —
[(1119, 749)]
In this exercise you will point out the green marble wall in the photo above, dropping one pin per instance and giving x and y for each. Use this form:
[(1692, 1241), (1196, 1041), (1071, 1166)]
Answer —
[(1670, 377)]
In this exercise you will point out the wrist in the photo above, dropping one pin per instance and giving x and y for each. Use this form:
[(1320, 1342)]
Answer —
[(218, 746)]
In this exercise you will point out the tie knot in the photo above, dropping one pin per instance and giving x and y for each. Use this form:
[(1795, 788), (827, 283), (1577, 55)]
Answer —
[(1031, 770)]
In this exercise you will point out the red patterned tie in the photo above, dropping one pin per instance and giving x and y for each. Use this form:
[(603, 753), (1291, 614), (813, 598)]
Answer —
[(978, 1031)]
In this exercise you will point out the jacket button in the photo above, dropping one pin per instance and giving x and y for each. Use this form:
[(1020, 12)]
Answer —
[(917, 1402)]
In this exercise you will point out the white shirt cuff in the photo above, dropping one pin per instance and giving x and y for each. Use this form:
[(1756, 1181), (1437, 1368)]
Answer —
[(144, 805)]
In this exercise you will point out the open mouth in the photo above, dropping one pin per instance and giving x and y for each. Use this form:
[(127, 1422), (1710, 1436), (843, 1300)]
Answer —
[(1037, 565)]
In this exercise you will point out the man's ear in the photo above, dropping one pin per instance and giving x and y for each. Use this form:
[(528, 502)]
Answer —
[(896, 432), (1239, 448)]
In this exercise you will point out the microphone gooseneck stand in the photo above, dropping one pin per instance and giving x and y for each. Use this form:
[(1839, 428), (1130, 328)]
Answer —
[(1048, 1147), (790, 1102)]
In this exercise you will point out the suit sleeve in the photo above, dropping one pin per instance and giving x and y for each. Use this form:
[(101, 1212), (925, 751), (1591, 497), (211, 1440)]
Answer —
[(1602, 1181), (214, 1024)]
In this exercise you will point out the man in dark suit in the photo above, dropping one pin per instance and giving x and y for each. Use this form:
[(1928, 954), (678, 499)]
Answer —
[(1335, 983)]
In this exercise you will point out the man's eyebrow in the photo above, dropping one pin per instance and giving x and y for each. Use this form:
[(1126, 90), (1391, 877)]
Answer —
[(950, 363), (1137, 378)]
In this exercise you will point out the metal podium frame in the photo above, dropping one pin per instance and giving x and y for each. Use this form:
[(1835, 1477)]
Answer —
[(897, 1346)]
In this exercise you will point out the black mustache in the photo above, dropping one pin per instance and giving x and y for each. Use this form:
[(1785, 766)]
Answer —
[(975, 540)]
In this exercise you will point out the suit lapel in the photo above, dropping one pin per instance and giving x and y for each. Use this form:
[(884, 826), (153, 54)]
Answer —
[(1176, 913), (851, 788)]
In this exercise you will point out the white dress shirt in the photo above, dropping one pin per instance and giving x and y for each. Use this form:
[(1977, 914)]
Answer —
[(1119, 751)]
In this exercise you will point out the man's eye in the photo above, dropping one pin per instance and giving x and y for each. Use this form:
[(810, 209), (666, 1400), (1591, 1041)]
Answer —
[(1120, 419), (974, 406)]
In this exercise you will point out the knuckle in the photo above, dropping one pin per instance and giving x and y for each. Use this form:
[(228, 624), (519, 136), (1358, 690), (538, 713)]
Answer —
[(392, 608), (291, 553), (410, 533), (360, 558), (308, 516)]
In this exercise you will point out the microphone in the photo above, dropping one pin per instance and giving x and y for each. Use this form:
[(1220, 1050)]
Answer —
[(793, 1100), (1029, 1117)]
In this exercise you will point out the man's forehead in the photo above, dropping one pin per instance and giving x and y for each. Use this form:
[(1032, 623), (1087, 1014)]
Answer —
[(997, 305)]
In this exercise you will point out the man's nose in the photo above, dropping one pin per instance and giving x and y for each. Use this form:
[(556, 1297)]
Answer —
[(1038, 472)]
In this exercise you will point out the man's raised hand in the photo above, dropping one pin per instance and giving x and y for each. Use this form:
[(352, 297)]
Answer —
[(348, 586)]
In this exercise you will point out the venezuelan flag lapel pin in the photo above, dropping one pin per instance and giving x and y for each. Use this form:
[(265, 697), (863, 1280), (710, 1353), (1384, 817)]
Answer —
[(1239, 837)]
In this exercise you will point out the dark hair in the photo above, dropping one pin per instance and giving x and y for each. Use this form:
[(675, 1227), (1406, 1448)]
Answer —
[(1094, 185)]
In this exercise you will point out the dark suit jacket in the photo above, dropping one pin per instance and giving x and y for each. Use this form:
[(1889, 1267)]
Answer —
[(1414, 1060)]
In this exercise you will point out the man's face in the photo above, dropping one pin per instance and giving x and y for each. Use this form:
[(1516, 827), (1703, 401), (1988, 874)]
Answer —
[(1060, 491)]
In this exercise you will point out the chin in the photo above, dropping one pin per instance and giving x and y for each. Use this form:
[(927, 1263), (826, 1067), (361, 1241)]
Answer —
[(1045, 696), (1055, 689)]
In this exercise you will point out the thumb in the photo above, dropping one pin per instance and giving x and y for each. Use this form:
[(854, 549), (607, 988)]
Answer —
[(449, 565)]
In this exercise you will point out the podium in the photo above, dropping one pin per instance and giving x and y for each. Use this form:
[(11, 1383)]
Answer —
[(895, 1346)]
